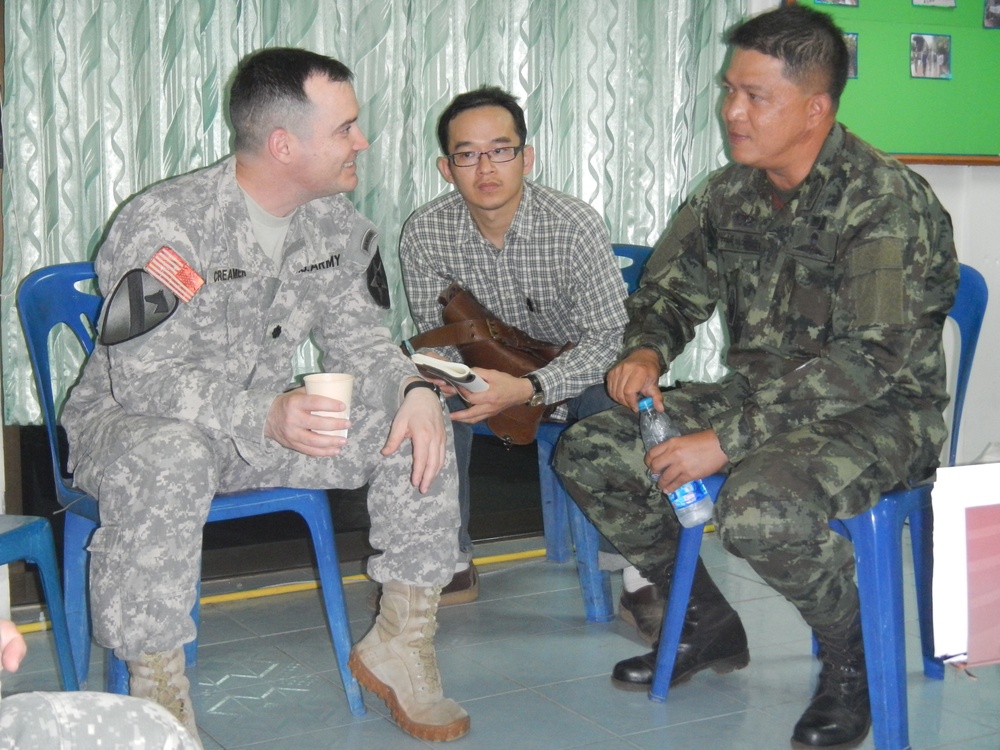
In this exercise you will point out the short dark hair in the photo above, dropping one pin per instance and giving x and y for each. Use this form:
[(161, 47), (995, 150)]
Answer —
[(807, 41), (484, 96), (268, 91)]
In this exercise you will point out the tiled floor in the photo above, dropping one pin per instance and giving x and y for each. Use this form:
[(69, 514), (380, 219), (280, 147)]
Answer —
[(532, 674)]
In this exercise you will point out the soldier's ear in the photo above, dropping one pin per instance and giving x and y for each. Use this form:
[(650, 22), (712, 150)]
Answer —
[(279, 145), (819, 108)]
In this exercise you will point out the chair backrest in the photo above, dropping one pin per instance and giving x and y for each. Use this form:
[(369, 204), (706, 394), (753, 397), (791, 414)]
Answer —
[(968, 313), (48, 298), (631, 259)]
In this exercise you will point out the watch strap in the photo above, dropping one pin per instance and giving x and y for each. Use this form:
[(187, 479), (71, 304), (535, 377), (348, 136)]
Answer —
[(420, 384)]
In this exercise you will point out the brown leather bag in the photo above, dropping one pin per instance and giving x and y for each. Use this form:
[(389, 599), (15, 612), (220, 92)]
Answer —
[(484, 341)]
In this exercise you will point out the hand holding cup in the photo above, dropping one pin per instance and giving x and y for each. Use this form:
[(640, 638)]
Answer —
[(335, 385)]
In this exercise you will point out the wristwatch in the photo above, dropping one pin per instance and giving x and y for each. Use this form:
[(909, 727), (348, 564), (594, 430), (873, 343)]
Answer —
[(537, 396), (420, 384)]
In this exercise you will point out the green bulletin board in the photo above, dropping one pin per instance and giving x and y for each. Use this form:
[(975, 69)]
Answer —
[(957, 118)]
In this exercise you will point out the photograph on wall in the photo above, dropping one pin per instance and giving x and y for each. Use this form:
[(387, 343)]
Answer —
[(851, 40), (991, 14), (936, 3), (837, 2), (930, 56)]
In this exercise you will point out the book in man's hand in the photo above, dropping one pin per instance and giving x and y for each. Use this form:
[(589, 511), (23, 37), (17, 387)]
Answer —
[(456, 373)]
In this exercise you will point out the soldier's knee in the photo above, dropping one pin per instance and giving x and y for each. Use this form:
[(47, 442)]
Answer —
[(170, 449)]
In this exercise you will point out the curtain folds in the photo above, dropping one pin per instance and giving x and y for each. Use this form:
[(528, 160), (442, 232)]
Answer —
[(104, 97)]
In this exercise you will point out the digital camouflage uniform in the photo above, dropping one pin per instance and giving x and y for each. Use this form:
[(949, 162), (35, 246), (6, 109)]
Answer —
[(160, 423), (834, 306), (88, 721)]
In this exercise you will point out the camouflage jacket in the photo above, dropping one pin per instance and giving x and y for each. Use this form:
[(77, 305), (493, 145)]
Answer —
[(222, 357), (833, 301)]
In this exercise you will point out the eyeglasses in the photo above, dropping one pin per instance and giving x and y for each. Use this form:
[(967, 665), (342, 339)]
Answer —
[(495, 155)]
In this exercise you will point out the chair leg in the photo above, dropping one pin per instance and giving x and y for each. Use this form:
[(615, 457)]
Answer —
[(76, 559), (191, 647), (317, 517), (878, 555), (44, 556), (921, 538), (555, 502), (688, 549), (595, 584), (117, 679)]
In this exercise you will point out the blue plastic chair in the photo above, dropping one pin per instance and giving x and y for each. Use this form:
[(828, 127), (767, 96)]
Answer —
[(49, 298), (562, 520), (878, 555), (30, 538)]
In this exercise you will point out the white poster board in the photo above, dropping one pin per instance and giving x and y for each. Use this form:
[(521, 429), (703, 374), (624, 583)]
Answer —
[(957, 489)]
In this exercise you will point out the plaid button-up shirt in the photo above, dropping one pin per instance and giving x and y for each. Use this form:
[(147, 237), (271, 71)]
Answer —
[(556, 278)]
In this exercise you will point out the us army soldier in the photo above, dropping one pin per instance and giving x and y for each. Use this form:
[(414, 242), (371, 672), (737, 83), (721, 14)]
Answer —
[(212, 280)]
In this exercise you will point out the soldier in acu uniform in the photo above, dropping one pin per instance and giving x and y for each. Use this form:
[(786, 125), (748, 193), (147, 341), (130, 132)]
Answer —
[(213, 280), (835, 267)]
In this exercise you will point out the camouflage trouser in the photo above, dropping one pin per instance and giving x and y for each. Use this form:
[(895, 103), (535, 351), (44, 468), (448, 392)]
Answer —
[(773, 509), (154, 479), (88, 721)]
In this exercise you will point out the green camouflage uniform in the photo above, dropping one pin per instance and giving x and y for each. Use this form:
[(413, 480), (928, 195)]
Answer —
[(834, 305)]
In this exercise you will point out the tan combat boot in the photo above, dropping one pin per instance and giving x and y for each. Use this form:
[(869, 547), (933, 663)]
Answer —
[(397, 662), (160, 678)]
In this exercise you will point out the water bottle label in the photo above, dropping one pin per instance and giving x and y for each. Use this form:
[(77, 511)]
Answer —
[(689, 494)]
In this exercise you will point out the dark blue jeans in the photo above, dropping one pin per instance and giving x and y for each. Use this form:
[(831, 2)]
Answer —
[(593, 400)]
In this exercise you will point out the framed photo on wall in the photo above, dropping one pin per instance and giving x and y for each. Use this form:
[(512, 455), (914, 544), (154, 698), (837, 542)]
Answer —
[(930, 56), (851, 40), (991, 14)]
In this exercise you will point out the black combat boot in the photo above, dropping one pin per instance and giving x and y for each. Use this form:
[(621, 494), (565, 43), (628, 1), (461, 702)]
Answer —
[(712, 636), (839, 714)]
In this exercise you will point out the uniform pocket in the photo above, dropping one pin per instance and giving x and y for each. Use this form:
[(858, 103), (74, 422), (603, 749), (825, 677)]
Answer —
[(106, 576), (804, 287), (877, 282)]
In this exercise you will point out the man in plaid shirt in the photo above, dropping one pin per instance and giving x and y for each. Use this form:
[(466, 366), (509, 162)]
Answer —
[(537, 258)]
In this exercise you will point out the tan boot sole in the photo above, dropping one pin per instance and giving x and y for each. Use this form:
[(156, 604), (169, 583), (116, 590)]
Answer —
[(428, 732)]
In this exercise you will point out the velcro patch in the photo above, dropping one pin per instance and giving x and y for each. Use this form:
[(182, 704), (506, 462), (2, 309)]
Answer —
[(173, 271), (378, 284), (137, 305)]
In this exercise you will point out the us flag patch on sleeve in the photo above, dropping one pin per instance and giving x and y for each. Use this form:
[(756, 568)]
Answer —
[(171, 270)]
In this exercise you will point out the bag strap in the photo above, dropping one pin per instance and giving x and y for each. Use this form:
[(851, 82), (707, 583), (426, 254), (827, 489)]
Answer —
[(453, 334), (473, 331)]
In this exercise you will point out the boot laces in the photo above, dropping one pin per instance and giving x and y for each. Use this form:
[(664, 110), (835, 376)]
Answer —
[(166, 689), (423, 647)]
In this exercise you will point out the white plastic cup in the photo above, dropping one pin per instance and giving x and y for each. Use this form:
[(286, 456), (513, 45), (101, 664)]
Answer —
[(338, 385)]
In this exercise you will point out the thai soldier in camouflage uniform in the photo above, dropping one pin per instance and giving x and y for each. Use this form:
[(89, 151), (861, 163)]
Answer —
[(80, 720), (193, 394), (835, 268)]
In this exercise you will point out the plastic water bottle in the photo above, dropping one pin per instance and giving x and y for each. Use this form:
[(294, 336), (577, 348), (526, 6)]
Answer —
[(691, 502)]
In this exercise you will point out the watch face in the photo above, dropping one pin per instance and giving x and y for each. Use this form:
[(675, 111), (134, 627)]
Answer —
[(537, 397)]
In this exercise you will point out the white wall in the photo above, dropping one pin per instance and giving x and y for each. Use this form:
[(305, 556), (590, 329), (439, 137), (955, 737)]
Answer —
[(972, 197)]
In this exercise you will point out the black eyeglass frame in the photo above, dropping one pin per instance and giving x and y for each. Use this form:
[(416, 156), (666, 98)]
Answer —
[(489, 154)]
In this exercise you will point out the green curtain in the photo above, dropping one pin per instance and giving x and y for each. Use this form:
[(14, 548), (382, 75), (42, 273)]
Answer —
[(104, 97)]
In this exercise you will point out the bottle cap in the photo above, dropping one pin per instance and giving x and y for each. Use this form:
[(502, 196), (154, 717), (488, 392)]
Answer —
[(645, 403)]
